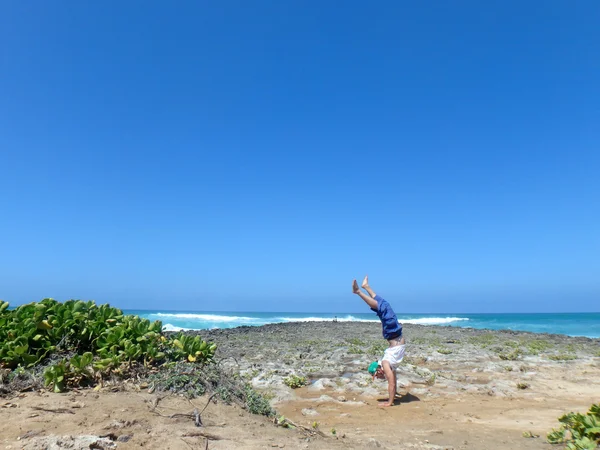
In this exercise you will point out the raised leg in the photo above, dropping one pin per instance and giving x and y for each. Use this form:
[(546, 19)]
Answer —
[(366, 287), (372, 303)]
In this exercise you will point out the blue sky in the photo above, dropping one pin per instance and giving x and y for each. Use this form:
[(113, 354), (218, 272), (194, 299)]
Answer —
[(259, 155)]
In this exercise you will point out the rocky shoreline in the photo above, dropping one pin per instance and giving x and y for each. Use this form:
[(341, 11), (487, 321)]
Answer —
[(440, 360)]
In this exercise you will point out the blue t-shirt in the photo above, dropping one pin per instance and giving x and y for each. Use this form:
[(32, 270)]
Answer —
[(391, 328)]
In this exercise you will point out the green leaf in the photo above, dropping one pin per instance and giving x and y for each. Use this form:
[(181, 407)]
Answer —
[(44, 325)]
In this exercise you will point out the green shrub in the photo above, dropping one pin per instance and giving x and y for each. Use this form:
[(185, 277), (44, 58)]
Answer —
[(444, 351), (189, 384), (295, 381), (54, 376), (537, 346), (74, 331), (258, 404), (511, 356), (354, 350), (578, 431), (377, 348), (483, 340), (562, 357)]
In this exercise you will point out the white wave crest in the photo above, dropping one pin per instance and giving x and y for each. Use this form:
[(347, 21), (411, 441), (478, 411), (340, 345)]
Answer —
[(169, 327), (324, 319), (433, 320), (207, 317)]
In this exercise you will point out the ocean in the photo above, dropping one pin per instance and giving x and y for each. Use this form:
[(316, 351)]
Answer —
[(572, 324)]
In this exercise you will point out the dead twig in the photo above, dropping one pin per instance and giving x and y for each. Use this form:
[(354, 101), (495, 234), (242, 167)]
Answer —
[(57, 410), (173, 416), (205, 434), (208, 402)]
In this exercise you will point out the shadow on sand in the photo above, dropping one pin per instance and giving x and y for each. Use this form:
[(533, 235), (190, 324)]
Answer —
[(402, 398)]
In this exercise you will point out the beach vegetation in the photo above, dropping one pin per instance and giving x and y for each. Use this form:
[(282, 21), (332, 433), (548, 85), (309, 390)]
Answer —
[(444, 350), (510, 356), (537, 346), (523, 385), (483, 340), (80, 343), (578, 431), (512, 344), (435, 341), (193, 380), (377, 348), (354, 350), (562, 356), (356, 341), (257, 403), (294, 381), (529, 434)]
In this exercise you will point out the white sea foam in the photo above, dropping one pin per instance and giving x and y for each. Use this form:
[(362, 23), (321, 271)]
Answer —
[(211, 321), (208, 317), (324, 319), (420, 321), (169, 327), (433, 320)]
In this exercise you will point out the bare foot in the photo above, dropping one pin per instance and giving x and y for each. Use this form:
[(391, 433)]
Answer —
[(385, 404), (365, 283), (355, 288)]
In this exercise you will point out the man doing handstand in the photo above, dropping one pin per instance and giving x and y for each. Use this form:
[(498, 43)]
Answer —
[(392, 332)]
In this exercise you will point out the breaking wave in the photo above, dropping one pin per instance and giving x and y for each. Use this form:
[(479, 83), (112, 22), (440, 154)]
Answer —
[(433, 320)]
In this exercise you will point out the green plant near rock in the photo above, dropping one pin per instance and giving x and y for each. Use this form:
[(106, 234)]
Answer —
[(562, 357), (510, 356), (354, 350), (444, 351), (54, 376), (295, 381), (377, 349), (512, 344), (483, 340), (258, 404), (578, 431), (537, 346), (523, 385)]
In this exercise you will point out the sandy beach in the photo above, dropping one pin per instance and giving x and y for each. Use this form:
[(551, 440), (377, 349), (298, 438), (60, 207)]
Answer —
[(458, 389)]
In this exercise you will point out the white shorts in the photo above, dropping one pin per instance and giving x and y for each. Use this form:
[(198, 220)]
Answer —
[(394, 355)]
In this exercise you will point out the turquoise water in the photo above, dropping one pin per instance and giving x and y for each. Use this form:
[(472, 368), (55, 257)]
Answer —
[(572, 324)]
